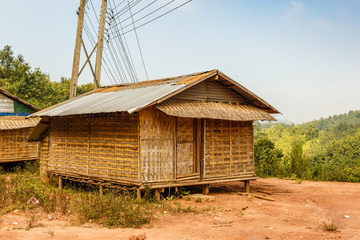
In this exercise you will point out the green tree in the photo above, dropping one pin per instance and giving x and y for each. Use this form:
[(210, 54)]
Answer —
[(34, 86), (299, 162), (311, 132), (267, 158)]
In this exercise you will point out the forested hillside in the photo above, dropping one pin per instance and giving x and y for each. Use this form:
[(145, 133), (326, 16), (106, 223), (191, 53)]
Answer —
[(325, 149), (32, 85)]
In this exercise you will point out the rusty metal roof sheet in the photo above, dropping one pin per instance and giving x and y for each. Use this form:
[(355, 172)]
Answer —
[(128, 100), (136, 96), (214, 110), (17, 122)]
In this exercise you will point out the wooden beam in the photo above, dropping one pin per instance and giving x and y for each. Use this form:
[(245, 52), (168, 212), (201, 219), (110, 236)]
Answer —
[(100, 45), (261, 197), (76, 61), (60, 182), (138, 194), (157, 194), (87, 60), (206, 189), (47, 179), (247, 186), (88, 57), (198, 145), (101, 190)]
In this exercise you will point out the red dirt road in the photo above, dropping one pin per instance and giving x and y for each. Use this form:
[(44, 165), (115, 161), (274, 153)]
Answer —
[(298, 212)]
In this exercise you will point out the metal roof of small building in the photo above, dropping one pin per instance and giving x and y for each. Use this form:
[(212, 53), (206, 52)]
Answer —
[(15, 98), (136, 96)]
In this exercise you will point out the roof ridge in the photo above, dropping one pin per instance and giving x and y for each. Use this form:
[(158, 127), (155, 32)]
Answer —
[(158, 80), (13, 97)]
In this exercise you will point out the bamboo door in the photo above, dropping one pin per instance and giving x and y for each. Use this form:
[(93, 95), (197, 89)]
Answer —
[(185, 164)]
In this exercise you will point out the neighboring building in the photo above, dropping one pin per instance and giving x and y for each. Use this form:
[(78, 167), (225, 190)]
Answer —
[(15, 129), (194, 129)]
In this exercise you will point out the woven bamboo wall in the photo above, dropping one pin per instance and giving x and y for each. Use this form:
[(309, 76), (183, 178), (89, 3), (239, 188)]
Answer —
[(157, 131), (105, 147), (44, 154), (14, 145), (228, 148), (184, 146)]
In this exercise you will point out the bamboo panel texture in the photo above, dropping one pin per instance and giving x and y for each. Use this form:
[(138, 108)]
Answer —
[(14, 145), (156, 145), (44, 154), (228, 148), (57, 145), (184, 146), (242, 148), (209, 91), (99, 146)]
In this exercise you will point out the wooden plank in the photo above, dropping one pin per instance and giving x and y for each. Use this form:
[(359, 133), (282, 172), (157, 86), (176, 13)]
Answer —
[(261, 197)]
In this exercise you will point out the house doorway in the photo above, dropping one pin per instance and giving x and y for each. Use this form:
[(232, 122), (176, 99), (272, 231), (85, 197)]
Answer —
[(188, 147)]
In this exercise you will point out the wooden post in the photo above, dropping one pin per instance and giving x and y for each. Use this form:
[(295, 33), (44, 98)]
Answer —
[(101, 190), (247, 186), (100, 44), (198, 145), (138, 194), (206, 189), (47, 179), (60, 182), (76, 62), (157, 194)]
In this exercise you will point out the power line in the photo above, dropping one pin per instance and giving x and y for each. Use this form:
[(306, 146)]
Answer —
[(126, 8), (125, 54), (153, 19), (88, 33), (138, 43), (150, 13), (138, 10)]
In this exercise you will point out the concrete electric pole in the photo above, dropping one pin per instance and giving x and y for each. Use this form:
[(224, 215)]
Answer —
[(79, 42), (100, 44), (76, 62)]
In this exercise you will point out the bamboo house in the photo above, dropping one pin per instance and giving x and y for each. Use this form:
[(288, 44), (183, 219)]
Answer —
[(15, 129), (195, 129)]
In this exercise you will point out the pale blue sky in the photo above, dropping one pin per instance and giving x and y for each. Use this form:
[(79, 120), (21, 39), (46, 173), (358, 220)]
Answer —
[(303, 57)]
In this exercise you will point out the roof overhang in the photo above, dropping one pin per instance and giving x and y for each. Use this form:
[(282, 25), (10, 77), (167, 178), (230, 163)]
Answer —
[(214, 110), (39, 130), (17, 122)]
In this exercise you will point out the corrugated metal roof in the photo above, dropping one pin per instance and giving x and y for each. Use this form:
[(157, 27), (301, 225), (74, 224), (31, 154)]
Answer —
[(17, 122), (128, 100), (214, 110), (179, 80), (135, 96), (15, 98)]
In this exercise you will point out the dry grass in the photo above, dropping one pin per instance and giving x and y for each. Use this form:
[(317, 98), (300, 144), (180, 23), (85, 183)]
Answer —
[(331, 227)]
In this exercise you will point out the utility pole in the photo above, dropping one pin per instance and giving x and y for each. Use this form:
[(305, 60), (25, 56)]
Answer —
[(100, 44), (76, 62)]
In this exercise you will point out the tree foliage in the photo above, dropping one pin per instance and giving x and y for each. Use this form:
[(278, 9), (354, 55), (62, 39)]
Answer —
[(32, 85), (325, 149)]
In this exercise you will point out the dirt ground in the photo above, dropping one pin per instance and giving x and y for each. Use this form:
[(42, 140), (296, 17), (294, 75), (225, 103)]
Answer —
[(298, 212)]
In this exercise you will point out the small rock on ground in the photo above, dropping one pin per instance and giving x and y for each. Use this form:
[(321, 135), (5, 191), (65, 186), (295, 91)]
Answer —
[(201, 197)]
